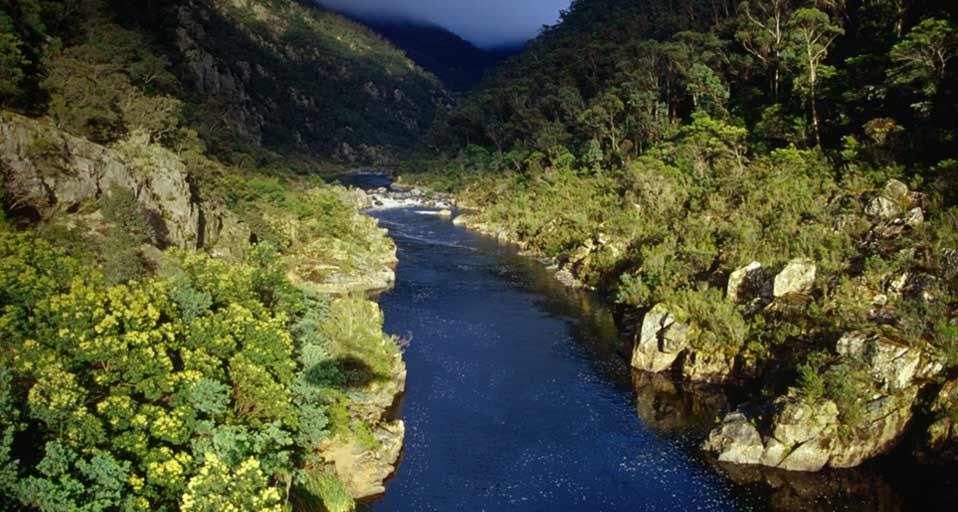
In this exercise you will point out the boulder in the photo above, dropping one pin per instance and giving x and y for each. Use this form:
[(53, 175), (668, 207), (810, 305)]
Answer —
[(445, 214), (896, 191), (811, 456), (736, 440), (915, 217), (660, 342), (799, 421), (797, 277), (883, 208), (746, 282)]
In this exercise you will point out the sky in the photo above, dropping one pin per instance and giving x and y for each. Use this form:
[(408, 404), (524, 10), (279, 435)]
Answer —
[(485, 23)]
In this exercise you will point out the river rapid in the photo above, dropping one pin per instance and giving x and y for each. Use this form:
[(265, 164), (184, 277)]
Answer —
[(518, 398)]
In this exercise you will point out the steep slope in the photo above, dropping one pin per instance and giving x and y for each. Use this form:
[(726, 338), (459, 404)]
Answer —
[(458, 63), (184, 325)]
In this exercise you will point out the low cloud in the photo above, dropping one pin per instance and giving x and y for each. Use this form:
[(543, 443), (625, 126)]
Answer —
[(485, 23)]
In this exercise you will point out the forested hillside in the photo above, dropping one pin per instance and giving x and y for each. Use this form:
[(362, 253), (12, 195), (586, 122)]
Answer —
[(243, 74), (458, 63), (182, 301), (766, 187)]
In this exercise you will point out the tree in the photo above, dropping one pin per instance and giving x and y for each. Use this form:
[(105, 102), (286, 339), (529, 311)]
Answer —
[(763, 35), (811, 33), (920, 61), (12, 59), (708, 92)]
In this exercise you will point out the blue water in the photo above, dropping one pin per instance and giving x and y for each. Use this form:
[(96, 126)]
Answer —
[(519, 398), (507, 406)]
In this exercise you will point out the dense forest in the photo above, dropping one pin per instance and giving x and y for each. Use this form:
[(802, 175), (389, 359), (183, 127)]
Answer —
[(182, 296), (774, 178)]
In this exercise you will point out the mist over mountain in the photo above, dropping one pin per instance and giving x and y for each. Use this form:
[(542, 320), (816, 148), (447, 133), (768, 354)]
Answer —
[(488, 24), (457, 62)]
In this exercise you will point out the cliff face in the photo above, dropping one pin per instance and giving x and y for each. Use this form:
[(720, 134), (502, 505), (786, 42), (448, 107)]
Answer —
[(47, 172), (291, 76)]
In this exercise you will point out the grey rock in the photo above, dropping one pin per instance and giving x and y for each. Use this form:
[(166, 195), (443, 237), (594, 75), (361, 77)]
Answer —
[(736, 440), (660, 342), (797, 277)]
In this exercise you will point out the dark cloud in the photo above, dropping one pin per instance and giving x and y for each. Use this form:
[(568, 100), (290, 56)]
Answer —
[(483, 22)]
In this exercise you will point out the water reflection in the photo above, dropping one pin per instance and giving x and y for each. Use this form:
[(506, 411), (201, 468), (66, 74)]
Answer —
[(669, 407), (788, 491)]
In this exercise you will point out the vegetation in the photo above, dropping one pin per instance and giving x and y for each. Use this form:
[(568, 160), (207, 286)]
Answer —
[(135, 375), (654, 147)]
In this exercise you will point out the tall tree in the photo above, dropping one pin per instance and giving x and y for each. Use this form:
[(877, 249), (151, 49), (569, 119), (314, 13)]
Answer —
[(763, 35), (920, 61), (811, 33)]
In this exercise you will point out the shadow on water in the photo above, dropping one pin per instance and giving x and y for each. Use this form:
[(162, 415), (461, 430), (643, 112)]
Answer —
[(519, 398)]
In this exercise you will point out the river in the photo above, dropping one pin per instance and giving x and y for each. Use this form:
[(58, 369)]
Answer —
[(518, 398)]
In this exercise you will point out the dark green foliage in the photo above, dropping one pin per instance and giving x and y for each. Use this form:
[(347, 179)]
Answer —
[(130, 227)]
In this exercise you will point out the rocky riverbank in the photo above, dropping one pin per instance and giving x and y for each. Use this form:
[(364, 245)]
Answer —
[(873, 388)]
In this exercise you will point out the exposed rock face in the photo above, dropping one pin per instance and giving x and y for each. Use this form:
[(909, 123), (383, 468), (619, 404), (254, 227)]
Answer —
[(889, 205), (883, 426), (660, 342), (797, 277), (364, 469), (807, 436), (50, 172), (894, 366), (736, 440), (941, 438), (883, 208)]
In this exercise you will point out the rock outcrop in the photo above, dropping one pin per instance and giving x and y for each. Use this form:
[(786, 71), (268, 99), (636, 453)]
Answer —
[(364, 469), (660, 341), (48, 172), (941, 437), (893, 365), (808, 434)]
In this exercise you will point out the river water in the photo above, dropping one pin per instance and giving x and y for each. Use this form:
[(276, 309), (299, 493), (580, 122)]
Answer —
[(518, 398)]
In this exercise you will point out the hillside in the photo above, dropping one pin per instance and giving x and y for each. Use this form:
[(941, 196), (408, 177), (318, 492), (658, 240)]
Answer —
[(286, 76), (182, 296), (458, 63), (766, 189)]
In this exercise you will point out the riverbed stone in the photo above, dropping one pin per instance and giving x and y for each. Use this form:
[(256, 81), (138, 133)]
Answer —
[(661, 340), (797, 277)]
